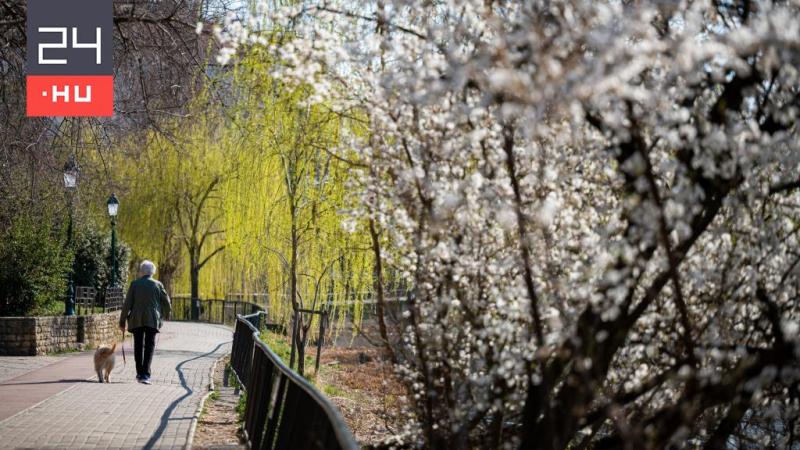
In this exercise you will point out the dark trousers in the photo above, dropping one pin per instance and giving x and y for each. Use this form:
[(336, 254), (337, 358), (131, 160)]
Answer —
[(144, 342)]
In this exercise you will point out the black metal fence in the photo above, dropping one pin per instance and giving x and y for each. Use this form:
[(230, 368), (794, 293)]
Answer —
[(283, 411), (212, 310), (90, 301), (261, 298)]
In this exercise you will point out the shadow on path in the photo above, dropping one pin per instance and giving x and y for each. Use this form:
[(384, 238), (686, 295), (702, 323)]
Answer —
[(165, 417)]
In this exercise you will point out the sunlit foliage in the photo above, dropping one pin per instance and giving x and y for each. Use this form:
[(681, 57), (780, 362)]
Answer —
[(265, 155)]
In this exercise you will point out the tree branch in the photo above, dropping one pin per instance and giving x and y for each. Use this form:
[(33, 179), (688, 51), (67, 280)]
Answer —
[(203, 263)]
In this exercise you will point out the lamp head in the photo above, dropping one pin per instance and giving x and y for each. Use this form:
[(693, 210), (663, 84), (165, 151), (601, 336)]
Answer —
[(113, 205), (71, 171)]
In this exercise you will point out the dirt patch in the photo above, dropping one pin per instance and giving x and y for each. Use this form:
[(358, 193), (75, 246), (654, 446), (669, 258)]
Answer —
[(218, 427), (361, 383)]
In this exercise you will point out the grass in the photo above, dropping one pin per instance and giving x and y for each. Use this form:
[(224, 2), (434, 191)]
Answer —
[(54, 308), (57, 309), (234, 383), (240, 407), (281, 346), (213, 396), (232, 379), (333, 391)]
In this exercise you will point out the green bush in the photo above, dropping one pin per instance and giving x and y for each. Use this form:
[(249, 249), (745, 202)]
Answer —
[(33, 267), (35, 263), (93, 259)]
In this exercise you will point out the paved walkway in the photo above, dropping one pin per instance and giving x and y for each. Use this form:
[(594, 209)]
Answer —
[(14, 366), (123, 414)]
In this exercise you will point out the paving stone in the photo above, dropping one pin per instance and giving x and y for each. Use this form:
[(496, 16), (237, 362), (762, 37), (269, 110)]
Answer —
[(14, 366), (124, 414)]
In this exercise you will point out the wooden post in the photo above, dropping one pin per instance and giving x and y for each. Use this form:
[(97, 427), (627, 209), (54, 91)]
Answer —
[(323, 318), (294, 336)]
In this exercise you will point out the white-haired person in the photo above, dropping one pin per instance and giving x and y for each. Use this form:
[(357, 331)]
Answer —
[(146, 305)]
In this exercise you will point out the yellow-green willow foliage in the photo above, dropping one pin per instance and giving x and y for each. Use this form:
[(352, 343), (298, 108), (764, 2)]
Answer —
[(286, 166), (163, 178), (271, 155)]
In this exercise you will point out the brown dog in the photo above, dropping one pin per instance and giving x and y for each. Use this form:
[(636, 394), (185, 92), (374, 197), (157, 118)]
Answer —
[(104, 362)]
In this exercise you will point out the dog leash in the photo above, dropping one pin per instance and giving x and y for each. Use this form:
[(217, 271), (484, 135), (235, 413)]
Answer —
[(124, 360)]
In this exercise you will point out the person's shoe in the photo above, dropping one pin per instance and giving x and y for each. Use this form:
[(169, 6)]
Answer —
[(139, 379), (145, 380)]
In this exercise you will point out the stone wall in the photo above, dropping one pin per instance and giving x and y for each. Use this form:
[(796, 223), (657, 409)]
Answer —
[(56, 334), (25, 336), (17, 335), (100, 329)]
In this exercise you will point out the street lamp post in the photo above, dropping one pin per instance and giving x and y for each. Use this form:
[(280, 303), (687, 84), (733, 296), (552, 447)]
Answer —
[(113, 206), (71, 171)]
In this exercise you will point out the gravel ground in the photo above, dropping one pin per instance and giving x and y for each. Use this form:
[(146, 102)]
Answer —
[(218, 426)]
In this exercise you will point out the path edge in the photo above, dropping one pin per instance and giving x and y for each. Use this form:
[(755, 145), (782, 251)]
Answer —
[(196, 416)]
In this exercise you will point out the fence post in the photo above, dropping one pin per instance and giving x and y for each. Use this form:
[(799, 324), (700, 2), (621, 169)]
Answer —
[(294, 335), (323, 318)]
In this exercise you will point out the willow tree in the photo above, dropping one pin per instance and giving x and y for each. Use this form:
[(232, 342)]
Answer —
[(305, 169), (147, 220), (294, 191), (251, 171), (172, 192)]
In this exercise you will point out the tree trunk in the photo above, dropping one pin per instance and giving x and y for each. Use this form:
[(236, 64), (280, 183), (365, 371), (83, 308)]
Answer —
[(379, 294), (298, 317), (302, 334), (166, 277), (194, 275), (293, 337)]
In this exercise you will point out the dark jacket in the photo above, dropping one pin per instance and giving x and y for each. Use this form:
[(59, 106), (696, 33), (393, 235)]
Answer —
[(146, 304)]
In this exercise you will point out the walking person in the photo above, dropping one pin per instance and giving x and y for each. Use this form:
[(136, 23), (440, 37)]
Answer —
[(146, 305)]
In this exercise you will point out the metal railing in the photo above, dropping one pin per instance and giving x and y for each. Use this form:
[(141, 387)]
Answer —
[(255, 297), (283, 410), (89, 301), (212, 310)]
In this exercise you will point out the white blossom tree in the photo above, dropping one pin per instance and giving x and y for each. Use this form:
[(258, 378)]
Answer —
[(596, 204)]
